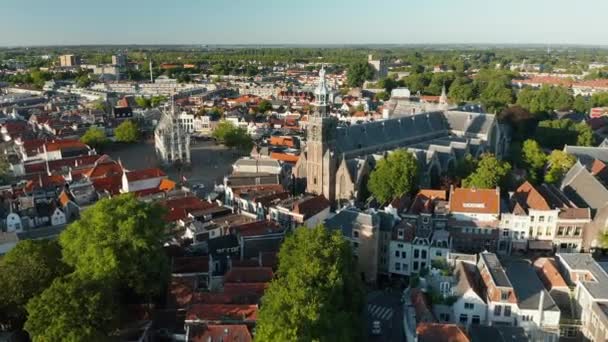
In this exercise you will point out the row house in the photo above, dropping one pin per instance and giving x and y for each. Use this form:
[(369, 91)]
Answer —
[(412, 251), (542, 218), (515, 296), (590, 281), (305, 210)]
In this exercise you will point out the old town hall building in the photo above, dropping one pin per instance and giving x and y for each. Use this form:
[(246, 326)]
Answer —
[(339, 158)]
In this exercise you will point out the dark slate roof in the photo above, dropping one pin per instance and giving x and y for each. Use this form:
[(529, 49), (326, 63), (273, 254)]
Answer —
[(380, 133), (496, 270), (346, 220), (481, 333), (221, 244), (583, 188), (387, 221), (41, 233), (580, 261), (528, 287), (586, 154)]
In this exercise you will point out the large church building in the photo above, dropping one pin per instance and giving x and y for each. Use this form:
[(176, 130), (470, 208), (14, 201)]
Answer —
[(339, 158)]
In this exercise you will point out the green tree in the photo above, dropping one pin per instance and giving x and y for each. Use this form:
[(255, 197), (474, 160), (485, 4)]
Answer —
[(94, 136), (119, 240), (25, 271), (394, 175), (264, 106), (73, 309), (222, 130), (559, 163), (461, 90), (127, 132), (143, 102), (6, 175), (534, 158), (317, 295), (580, 105), (584, 134), (496, 96), (383, 95), (358, 73), (490, 173), (238, 138), (545, 100)]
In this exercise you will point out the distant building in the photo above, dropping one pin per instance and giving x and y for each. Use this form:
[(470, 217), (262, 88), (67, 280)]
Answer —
[(69, 60), (380, 68), (171, 140), (119, 60)]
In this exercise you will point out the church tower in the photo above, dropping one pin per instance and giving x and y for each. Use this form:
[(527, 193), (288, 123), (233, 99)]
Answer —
[(320, 156)]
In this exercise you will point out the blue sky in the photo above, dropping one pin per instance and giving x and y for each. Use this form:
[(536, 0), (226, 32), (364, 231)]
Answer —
[(66, 22)]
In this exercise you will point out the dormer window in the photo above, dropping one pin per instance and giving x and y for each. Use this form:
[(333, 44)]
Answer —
[(356, 234), (400, 233), (504, 295)]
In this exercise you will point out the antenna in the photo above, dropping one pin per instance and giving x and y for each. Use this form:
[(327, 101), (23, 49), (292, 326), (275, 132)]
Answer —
[(151, 75)]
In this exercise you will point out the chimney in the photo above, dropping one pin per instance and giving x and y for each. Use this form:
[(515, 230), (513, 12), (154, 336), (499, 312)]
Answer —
[(540, 307)]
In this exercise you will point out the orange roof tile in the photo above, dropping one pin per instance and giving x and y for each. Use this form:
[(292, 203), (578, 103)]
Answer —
[(216, 332), (528, 197), (285, 157), (438, 332), (133, 176), (222, 313), (482, 201)]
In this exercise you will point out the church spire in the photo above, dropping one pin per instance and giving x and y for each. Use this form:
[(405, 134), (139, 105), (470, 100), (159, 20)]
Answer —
[(321, 94), (443, 99)]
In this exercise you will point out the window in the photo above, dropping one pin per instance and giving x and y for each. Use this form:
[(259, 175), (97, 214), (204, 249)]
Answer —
[(356, 234), (531, 232), (425, 219), (568, 230), (423, 254), (444, 317), (504, 295), (422, 265), (475, 320), (507, 311), (560, 231), (531, 218), (400, 233), (415, 265), (416, 253), (541, 219), (397, 266), (405, 267), (396, 254), (355, 245), (403, 255), (464, 319), (469, 306), (497, 310), (400, 245), (577, 231), (438, 253), (505, 233)]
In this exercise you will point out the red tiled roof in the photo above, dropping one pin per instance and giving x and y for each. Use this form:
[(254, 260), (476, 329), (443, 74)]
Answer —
[(256, 228), (181, 291), (547, 271), (133, 176), (215, 332), (57, 145), (248, 275), (484, 201), (44, 181), (222, 313), (311, 206), (111, 184), (178, 208), (285, 157), (438, 332), (528, 197)]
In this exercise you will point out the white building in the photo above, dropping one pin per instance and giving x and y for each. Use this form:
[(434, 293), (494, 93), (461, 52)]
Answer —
[(470, 306), (171, 139)]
